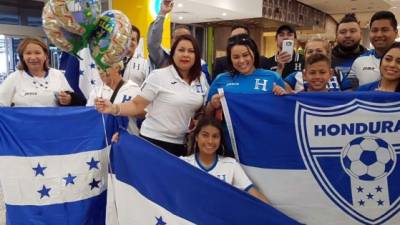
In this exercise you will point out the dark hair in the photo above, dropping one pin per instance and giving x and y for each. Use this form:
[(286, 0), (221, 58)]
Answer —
[(315, 58), (384, 15), (136, 29), (239, 26), (195, 71), (348, 18), (285, 27), (191, 143), (21, 48), (394, 45), (181, 26), (245, 40)]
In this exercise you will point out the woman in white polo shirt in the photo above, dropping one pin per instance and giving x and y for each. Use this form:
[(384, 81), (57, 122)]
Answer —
[(35, 83), (171, 96)]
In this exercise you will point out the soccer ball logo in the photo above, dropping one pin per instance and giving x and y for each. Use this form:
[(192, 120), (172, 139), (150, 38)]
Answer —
[(368, 158)]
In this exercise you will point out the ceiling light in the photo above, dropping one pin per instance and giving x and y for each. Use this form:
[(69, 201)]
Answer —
[(224, 14), (180, 18), (180, 5)]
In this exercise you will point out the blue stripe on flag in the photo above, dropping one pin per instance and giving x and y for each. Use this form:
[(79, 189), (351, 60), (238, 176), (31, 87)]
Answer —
[(72, 213), (264, 125), (52, 128)]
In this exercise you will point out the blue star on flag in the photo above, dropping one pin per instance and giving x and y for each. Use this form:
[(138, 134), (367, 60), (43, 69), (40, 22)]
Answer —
[(81, 72), (379, 189), (361, 202), (360, 189), (94, 184), (92, 65), (380, 202), (93, 164), (160, 221), (69, 179), (370, 196), (39, 170), (44, 192)]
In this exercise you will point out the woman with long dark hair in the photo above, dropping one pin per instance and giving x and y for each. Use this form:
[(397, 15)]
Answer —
[(206, 146), (171, 96)]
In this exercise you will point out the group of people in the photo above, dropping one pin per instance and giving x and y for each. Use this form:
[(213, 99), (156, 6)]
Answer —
[(179, 100)]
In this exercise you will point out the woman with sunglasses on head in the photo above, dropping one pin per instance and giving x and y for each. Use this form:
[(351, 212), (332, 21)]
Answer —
[(35, 83), (171, 96), (244, 76), (206, 147), (390, 72)]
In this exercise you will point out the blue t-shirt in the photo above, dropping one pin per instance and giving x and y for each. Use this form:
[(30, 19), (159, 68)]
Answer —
[(258, 82), (369, 87)]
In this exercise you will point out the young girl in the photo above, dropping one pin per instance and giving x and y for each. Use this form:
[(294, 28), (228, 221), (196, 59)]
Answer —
[(390, 72), (206, 147)]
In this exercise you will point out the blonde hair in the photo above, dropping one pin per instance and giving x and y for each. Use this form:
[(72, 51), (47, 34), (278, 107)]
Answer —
[(324, 42), (21, 48)]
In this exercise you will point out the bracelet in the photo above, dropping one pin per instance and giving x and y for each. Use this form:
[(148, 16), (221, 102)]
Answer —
[(118, 110)]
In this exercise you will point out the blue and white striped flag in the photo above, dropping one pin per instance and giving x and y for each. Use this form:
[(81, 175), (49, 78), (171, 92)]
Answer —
[(53, 166), (322, 158), (155, 187)]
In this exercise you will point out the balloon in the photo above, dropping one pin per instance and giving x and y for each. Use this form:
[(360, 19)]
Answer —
[(77, 16), (61, 38), (111, 39)]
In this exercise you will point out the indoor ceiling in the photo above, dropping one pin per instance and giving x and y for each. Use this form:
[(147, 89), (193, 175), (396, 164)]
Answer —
[(362, 8), (198, 11)]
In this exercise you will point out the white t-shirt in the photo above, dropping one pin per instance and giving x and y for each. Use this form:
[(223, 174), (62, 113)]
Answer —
[(224, 168), (173, 103), (366, 68), (127, 92), (137, 70), (22, 89)]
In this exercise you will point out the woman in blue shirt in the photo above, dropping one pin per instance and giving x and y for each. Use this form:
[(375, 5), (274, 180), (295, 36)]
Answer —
[(244, 75)]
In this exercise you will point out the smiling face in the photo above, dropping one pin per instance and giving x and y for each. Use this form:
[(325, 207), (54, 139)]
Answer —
[(34, 57), (390, 65), (184, 55), (242, 59), (317, 75), (382, 34), (208, 140)]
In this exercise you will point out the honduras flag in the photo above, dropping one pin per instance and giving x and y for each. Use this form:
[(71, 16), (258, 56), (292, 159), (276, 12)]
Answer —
[(53, 166), (154, 187), (81, 74), (322, 158)]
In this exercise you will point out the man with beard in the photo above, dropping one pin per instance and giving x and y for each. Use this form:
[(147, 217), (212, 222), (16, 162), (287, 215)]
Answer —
[(383, 33), (348, 48)]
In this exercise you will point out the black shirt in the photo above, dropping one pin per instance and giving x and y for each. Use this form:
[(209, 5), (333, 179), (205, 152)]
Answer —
[(297, 64)]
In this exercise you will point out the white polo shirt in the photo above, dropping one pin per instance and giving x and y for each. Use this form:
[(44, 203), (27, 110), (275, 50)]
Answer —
[(127, 92), (137, 70), (22, 89), (173, 103), (224, 168)]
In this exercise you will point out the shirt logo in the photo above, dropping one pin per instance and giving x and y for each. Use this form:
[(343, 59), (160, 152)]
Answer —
[(368, 68)]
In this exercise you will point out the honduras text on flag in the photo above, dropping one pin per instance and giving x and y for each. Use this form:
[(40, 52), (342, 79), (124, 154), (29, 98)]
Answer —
[(53, 166), (322, 158), (153, 187)]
